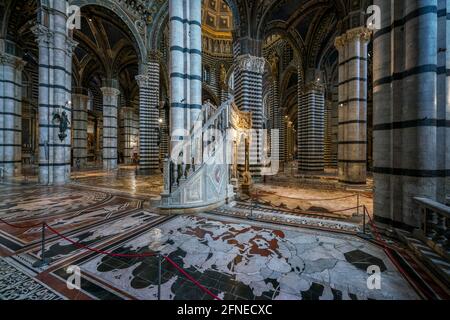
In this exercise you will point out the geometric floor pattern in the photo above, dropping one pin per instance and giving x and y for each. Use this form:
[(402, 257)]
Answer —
[(233, 258), (16, 285)]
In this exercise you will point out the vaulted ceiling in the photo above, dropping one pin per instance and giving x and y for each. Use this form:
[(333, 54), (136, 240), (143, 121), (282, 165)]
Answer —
[(105, 50)]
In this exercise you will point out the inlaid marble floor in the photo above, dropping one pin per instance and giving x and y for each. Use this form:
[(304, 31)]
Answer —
[(236, 260), (125, 180)]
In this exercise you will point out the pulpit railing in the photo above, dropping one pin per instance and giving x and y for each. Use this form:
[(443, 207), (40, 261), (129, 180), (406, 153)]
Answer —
[(200, 146), (435, 225)]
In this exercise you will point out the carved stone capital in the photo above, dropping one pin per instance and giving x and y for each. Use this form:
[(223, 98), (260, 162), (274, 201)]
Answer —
[(251, 63), (340, 42), (313, 86), (360, 33), (113, 92), (143, 80), (12, 61), (71, 45), (43, 35), (357, 34)]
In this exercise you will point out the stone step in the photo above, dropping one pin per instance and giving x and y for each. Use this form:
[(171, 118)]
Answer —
[(438, 264)]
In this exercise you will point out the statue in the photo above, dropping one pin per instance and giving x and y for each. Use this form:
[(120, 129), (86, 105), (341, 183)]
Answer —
[(63, 124), (274, 64), (223, 76)]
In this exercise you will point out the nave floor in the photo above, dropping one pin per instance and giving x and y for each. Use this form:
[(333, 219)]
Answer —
[(235, 258)]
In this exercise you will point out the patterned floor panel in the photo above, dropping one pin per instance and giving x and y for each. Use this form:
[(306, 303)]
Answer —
[(17, 285), (62, 208)]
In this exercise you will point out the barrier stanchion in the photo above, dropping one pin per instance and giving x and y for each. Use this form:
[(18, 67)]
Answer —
[(44, 261), (364, 219), (142, 255), (357, 204), (159, 275)]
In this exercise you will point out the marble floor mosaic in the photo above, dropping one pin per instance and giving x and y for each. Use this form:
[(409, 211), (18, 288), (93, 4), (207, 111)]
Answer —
[(124, 179), (233, 257), (237, 260)]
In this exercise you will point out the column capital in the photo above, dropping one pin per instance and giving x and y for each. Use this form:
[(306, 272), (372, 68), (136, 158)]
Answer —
[(12, 61), (110, 91), (71, 45), (142, 80), (251, 63), (43, 35), (313, 86), (360, 33)]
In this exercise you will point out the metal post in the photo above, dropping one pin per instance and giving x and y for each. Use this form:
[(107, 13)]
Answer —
[(364, 220), (43, 244), (43, 262), (159, 275), (357, 204)]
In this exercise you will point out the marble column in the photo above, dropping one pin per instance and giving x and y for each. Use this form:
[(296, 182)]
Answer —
[(11, 68), (185, 69), (352, 150), (328, 157), (248, 98), (276, 115), (164, 133), (411, 114), (80, 101), (149, 116), (128, 136), (110, 129), (311, 121), (55, 77), (334, 126)]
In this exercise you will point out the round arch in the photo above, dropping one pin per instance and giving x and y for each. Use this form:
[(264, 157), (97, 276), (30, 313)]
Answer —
[(108, 4)]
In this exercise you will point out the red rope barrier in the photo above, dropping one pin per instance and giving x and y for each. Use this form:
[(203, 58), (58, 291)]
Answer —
[(81, 246), (191, 278), (144, 255), (20, 227)]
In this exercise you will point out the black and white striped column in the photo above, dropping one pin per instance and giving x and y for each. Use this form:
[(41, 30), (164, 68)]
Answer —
[(164, 134), (334, 126), (148, 119), (248, 88), (110, 128), (80, 101), (185, 68), (411, 118), (55, 77), (278, 122), (352, 150), (11, 68), (311, 122), (129, 125), (328, 143)]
